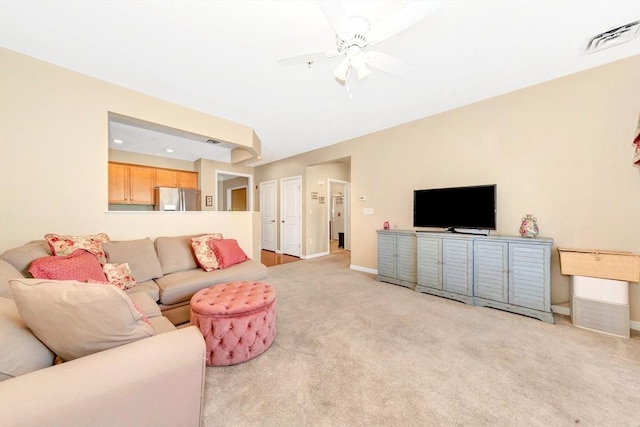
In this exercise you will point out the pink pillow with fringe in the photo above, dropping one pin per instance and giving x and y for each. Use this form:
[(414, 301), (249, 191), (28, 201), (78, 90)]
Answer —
[(79, 265), (228, 252)]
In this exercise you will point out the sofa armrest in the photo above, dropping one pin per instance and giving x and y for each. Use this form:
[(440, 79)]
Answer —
[(157, 381)]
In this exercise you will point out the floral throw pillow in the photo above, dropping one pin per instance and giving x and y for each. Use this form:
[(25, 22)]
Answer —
[(65, 245), (119, 275), (204, 254)]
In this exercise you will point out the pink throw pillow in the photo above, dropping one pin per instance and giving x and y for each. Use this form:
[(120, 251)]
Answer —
[(79, 265), (228, 252)]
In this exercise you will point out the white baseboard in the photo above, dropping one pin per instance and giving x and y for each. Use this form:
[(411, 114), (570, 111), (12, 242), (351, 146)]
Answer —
[(363, 269), (565, 310), (317, 255), (561, 309)]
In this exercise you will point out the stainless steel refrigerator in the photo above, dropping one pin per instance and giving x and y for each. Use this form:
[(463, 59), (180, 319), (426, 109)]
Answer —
[(176, 199)]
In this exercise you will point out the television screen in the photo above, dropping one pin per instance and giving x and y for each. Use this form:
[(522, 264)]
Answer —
[(458, 207)]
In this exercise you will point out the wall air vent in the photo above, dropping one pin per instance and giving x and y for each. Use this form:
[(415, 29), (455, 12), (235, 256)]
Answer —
[(613, 37), (213, 141)]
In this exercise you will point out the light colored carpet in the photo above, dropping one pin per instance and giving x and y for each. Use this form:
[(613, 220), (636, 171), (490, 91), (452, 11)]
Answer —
[(351, 351)]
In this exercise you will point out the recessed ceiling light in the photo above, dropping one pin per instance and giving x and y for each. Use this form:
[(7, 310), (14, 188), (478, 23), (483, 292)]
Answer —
[(117, 141), (169, 150)]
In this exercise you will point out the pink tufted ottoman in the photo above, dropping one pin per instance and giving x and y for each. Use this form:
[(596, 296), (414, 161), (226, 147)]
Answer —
[(237, 320)]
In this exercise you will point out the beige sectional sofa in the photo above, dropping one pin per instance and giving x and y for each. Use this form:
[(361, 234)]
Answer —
[(165, 269), (157, 380)]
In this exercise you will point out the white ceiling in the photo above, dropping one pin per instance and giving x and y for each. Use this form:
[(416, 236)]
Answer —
[(220, 57)]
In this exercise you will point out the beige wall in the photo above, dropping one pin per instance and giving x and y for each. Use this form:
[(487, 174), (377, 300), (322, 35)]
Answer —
[(53, 157), (560, 150)]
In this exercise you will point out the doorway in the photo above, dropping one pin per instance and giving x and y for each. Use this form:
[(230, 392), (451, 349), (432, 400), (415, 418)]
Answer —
[(233, 191), (339, 215)]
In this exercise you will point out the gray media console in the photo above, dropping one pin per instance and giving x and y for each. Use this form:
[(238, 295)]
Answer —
[(503, 272)]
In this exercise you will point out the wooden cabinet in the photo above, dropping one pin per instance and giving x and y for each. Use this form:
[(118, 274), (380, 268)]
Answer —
[(166, 178), (187, 179), (130, 185), (396, 258), (513, 272), (445, 264), (134, 184), (176, 178), (503, 272)]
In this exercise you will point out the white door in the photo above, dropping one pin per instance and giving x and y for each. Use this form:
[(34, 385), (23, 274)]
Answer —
[(268, 200), (290, 216)]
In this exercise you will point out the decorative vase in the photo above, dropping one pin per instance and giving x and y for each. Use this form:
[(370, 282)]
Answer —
[(385, 225), (529, 226)]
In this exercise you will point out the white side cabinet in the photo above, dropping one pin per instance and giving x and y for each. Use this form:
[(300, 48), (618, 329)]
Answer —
[(397, 258), (503, 272)]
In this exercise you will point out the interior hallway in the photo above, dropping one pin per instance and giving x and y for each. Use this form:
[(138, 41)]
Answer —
[(270, 258)]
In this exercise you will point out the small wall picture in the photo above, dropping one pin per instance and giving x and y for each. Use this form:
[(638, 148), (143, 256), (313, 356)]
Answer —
[(314, 195), (208, 200), (321, 200)]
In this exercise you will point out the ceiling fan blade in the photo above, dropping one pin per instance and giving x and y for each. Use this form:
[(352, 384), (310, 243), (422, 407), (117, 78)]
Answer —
[(406, 17), (335, 14), (304, 58), (342, 71), (387, 63)]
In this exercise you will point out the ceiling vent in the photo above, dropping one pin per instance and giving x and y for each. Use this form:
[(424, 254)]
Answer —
[(213, 141), (613, 37)]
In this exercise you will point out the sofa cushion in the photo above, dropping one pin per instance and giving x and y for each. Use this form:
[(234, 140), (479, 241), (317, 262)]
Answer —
[(175, 253), (21, 352), (61, 245), (7, 272), (139, 254), (180, 286), (146, 305), (119, 275), (79, 265), (161, 324), (75, 319), (22, 256), (204, 253), (228, 252), (149, 287)]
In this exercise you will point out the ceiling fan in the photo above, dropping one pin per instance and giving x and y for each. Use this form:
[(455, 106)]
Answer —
[(354, 35)]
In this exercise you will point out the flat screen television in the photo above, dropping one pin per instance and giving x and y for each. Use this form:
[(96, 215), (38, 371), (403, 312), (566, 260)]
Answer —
[(456, 207)]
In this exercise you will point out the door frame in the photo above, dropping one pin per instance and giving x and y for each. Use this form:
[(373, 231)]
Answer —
[(282, 210)]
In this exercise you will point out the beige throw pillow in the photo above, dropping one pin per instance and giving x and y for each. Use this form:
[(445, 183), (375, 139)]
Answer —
[(20, 351), (75, 319), (139, 254)]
